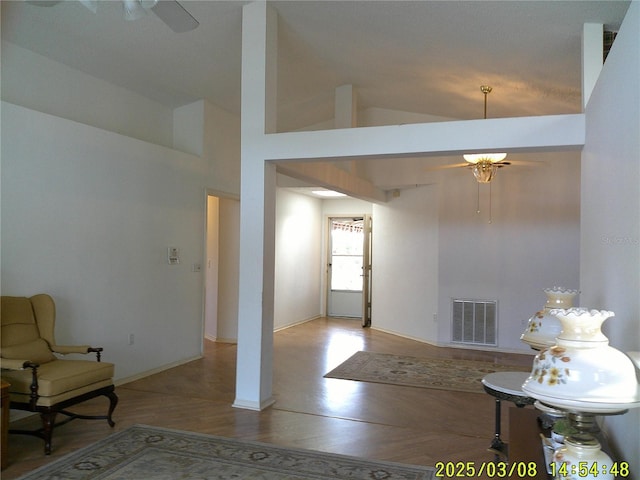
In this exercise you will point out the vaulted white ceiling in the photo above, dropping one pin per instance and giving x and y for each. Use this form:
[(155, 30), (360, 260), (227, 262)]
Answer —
[(424, 57)]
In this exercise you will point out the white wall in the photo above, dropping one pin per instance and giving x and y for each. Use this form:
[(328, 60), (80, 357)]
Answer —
[(188, 128), (370, 117), (154, 173), (221, 148), (206, 130), (297, 255), (532, 242), (35, 82), (610, 256), (405, 264), (87, 216)]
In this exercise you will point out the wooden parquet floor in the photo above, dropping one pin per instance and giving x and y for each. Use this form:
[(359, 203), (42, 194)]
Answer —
[(376, 421)]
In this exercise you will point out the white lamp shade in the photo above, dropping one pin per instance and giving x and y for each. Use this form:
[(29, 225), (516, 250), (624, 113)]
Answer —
[(581, 372), (543, 328)]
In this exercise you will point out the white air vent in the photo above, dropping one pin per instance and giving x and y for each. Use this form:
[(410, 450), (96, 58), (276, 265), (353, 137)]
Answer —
[(474, 322)]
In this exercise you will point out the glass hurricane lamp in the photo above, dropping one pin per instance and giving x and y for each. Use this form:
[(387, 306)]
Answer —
[(584, 376), (543, 328)]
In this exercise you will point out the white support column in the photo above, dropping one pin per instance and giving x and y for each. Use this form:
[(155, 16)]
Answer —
[(345, 115), (345, 107), (592, 58), (257, 210)]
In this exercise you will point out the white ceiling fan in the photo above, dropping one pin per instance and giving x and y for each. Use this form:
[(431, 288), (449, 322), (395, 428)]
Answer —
[(169, 11)]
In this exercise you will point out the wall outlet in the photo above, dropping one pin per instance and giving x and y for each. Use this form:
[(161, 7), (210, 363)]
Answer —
[(131, 339), (196, 267)]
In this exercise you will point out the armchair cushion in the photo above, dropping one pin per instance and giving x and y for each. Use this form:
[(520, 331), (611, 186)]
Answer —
[(58, 378), (36, 351)]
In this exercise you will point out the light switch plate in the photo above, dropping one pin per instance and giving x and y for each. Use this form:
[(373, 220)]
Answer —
[(173, 255)]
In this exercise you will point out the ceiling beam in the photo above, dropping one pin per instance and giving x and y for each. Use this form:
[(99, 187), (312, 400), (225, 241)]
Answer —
[(519, 134), (330, 176)]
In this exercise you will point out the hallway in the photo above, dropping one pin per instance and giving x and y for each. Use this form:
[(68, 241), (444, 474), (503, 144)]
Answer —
[(385, 422)]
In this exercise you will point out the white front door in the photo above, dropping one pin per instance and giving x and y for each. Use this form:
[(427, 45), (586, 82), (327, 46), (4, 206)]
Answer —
[(346, 267)]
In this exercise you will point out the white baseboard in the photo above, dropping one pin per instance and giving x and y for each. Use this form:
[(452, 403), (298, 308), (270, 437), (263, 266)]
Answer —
[(284, 327), (138, 376), (251, 405), (456, 345)]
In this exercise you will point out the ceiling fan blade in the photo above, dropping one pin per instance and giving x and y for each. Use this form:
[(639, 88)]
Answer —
[(452, 165), (175, 16), (528, 163)]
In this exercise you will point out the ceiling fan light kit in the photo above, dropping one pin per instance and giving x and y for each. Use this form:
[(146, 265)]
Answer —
[(484, 171), (484, 164)]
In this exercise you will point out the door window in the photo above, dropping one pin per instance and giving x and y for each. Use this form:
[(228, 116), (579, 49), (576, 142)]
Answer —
[(347, 237)]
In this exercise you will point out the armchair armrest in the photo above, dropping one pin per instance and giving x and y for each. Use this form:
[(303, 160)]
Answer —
[(15, 364), (84, 349), (66, 349)]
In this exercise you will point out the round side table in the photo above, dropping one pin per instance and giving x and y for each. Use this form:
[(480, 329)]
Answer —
[(505, 386)]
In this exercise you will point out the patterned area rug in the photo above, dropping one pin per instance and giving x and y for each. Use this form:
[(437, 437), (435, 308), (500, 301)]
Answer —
[(443, 374), (151, 453)]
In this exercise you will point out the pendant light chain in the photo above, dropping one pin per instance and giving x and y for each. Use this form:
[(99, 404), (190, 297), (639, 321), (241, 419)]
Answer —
[(478, 203), (489, 202)]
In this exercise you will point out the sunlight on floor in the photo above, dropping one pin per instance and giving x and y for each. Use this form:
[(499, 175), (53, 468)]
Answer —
[(341, 345)]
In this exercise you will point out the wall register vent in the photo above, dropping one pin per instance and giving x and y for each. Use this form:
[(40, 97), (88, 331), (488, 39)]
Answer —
[(474, 322)]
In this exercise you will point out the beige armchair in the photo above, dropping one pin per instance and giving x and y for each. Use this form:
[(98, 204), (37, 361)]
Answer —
[(40, 381)]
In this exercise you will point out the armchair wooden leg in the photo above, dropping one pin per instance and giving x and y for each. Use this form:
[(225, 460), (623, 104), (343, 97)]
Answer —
[(48, 422), (48, 414), (113, 401)]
